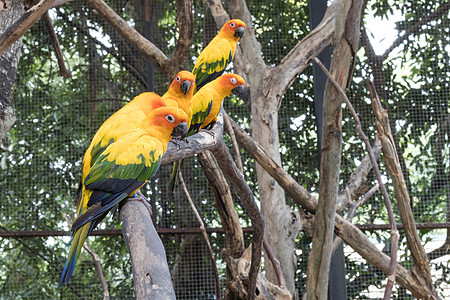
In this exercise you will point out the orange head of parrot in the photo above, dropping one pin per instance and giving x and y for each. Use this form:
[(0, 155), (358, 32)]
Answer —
[(233, 28), (183, 84), (168, 121), (233, 82)]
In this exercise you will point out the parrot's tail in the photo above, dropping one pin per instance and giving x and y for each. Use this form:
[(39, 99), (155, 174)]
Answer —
[(78, 238), (174, 178)]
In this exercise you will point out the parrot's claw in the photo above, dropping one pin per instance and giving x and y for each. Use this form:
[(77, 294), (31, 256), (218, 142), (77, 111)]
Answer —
[(208, 132), (138, 196)]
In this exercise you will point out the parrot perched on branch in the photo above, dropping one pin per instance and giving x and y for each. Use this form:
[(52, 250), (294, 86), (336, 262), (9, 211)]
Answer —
[(206, 105), (181, 91), (213, 60), (118, 169)]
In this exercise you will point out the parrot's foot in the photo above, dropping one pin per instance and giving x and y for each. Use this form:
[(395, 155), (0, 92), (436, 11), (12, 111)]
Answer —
[(138, 196), (208, 132), (179, 139)]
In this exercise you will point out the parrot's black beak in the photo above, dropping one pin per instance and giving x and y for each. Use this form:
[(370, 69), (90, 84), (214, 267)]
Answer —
[(185, 86), (239, 32), (180, 130), (238, 91)]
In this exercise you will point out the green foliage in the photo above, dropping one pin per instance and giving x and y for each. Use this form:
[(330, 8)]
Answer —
[(56, 118)]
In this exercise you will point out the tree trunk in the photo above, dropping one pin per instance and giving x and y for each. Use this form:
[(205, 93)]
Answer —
[(8, 68)]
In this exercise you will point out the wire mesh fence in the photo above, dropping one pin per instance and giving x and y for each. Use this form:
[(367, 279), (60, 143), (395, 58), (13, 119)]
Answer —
[(57, 117)]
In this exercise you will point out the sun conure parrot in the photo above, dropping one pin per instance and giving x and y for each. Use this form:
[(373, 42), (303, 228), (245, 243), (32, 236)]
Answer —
[(206, 105), (129, 116), (119, 170), (181, 91), (213, 60)]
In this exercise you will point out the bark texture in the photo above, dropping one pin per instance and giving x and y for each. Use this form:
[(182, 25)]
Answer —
[(151, 273), (8, 68), (345, 47)]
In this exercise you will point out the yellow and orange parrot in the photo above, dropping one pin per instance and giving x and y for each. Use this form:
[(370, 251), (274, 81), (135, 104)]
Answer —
[(179, 95), (181, 91), (206, 105), (213, 60), (121, 168)]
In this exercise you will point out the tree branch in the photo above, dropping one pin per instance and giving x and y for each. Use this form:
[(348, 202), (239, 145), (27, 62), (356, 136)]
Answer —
[(346, 230), (149, 50), (97, 264), (63, 71), (18, 28), (387, 201), (194, 144), (151, 273), (229, 129), (416, 27), (205, 235), (357, 179), (419, 256), (237, 180)]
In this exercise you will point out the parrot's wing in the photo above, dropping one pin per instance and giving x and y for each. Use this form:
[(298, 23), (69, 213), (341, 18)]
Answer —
[(200, 109), (122, 168), (212, 61)]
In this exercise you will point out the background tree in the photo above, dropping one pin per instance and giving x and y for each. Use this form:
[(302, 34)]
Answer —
[(57, 117)]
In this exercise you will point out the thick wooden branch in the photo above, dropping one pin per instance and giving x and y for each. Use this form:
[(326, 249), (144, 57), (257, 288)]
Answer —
[(300, 56), (204, 140), (223, 202), (149, 50), (348, 13), (354, 237), (151, 275), (18, 28), (421, 264), (238, 182)]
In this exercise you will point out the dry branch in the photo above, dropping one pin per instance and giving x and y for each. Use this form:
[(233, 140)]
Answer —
[(18, 29), (205, 235), (387, 201), (63, 71), (237, 180), (354, 237), (97, 264), (151, 275), (421, 264)]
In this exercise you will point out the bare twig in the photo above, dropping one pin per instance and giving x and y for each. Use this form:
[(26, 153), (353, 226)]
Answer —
[(419, 256), (18, 29), (205, 235), (233, 141), (436, 14), (97, 264), (352, 212), (63, 71), (275, 263), (387, 201)]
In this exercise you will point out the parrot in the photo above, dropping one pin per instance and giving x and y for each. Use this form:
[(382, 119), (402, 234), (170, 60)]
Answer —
[(216, 56), (129, 116), (206, 105), (181, 91), (119, 170)]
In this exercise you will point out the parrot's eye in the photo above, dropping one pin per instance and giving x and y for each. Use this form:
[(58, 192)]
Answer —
[(170, 118), (233, 80), (178, 78), (232, 25)]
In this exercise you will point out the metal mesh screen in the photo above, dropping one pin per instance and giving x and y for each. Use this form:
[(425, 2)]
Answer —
[(56, 118)]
